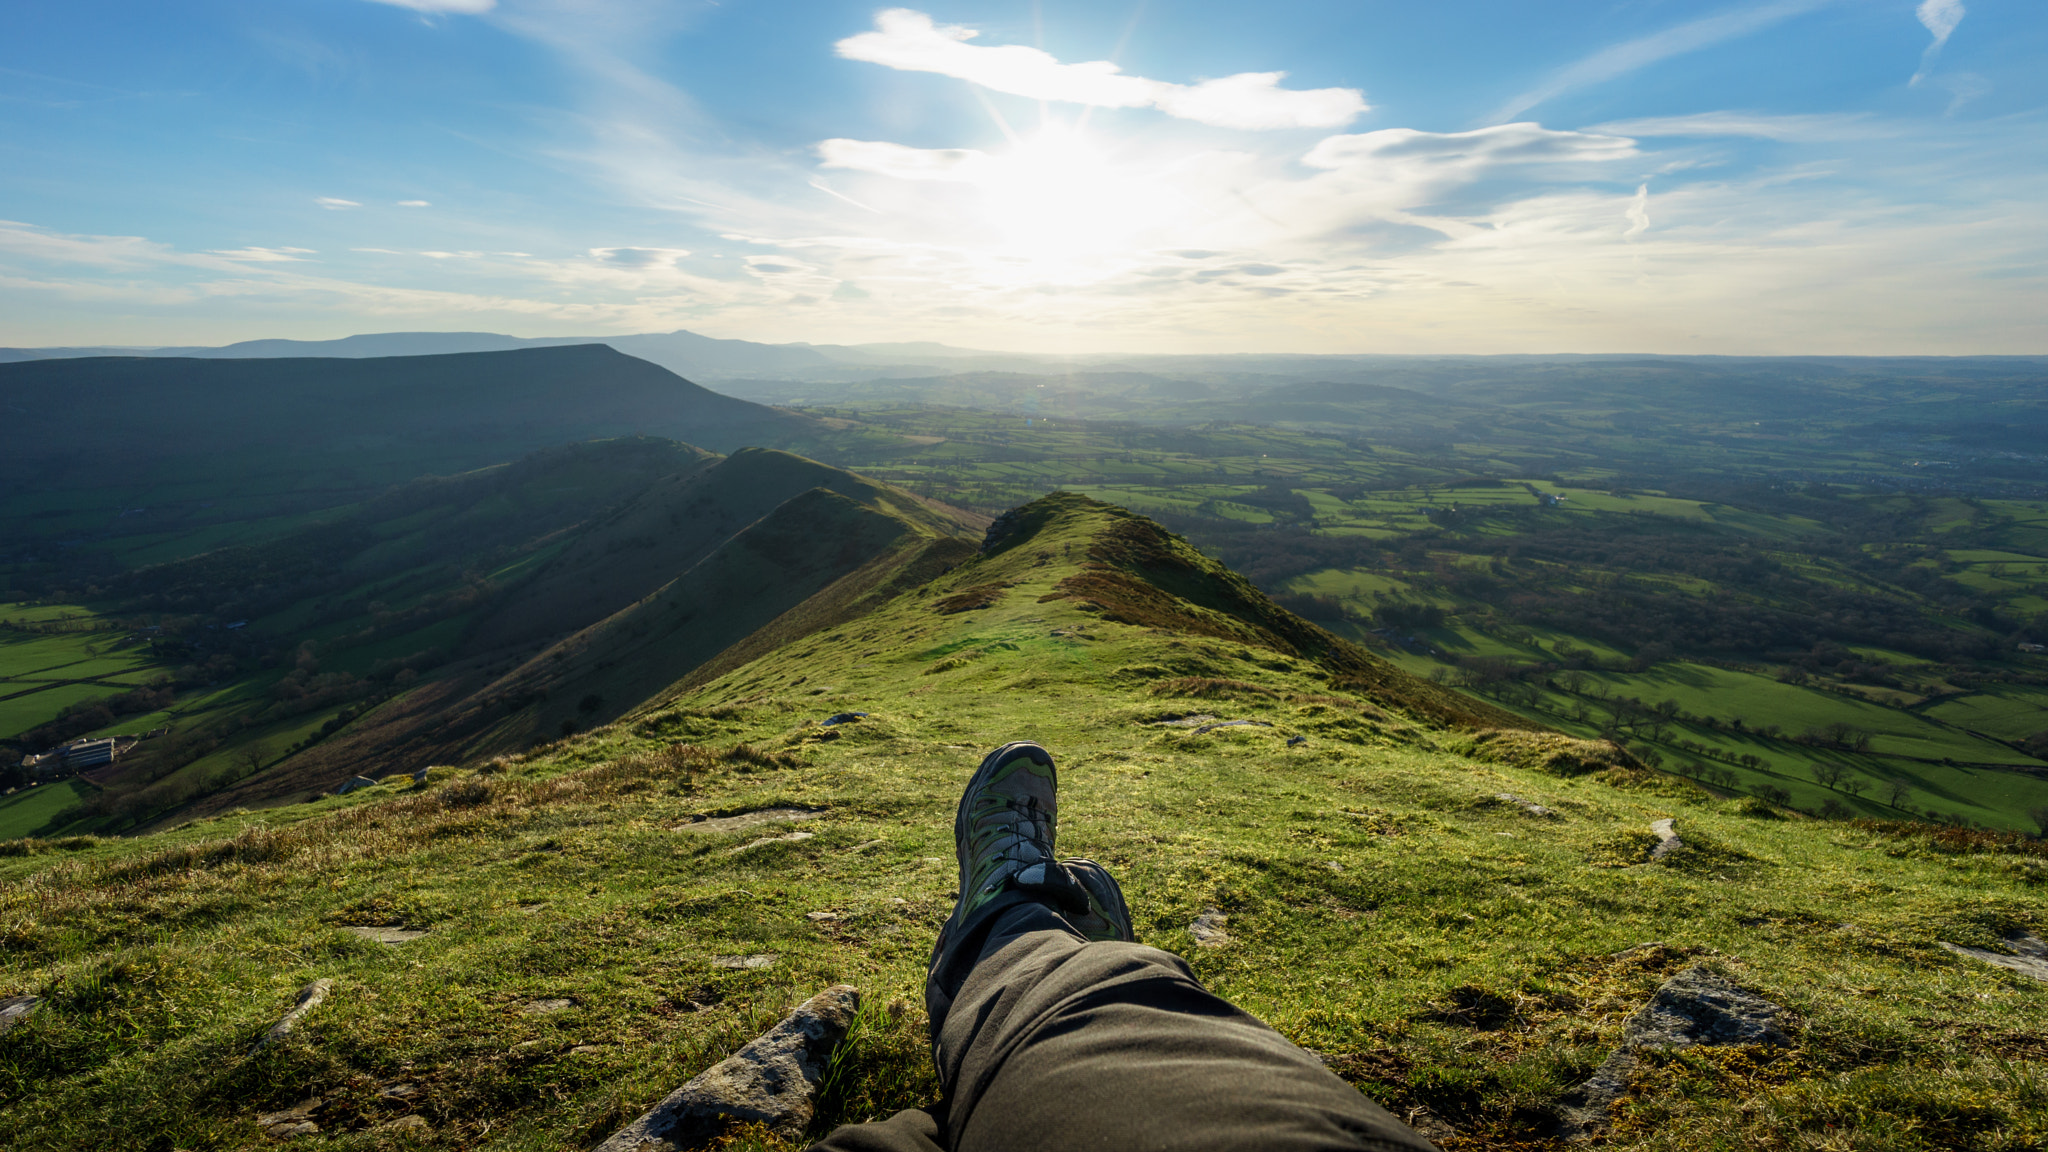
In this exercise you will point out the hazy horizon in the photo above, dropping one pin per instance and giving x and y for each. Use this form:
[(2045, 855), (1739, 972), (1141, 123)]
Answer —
[(1783, 177)]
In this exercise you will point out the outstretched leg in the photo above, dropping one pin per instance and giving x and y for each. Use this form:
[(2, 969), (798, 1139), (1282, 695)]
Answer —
[(1052, 1031)]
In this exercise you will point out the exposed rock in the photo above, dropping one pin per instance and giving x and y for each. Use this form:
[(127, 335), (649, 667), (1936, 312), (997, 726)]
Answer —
[(1529, 806), (414, 1125), (383, 934), (771, 840), (822, 917), (1667, 838), (1208, 928), (1293, 740), (584, 1049), (842, 718), (1207, 728), (296, 1120), (1695, 1007), (310, 997), (1185, 721), (352, 784), (771, 1081), (543, 1007), (14, 1011), (2031, 957), (751, 819), (756, 960)]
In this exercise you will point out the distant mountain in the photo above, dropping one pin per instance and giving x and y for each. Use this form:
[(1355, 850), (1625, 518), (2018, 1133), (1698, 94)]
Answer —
[(392, 417), (684, 353)]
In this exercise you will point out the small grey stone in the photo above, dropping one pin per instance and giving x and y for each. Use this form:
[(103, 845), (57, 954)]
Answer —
[(1185, 721), (1208, 928), (1529, 806), (13, 1011), (2031, 958), (385, 935), (414, 1125), (584, 1049), (1667, 838), (353, 784), (822, 917), (310, 997), (757, 960), (771, 1081), (543, 1007)]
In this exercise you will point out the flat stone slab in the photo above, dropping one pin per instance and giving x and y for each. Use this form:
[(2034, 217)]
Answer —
[(544, 1007), (2031, 957), (757, 960), (384, 935), (1208, 928), (1185, 722), (773, 1081), (788, 837), (1208, 728), (13, 1011), (1695, 1007), (750, 820), (310, 997)]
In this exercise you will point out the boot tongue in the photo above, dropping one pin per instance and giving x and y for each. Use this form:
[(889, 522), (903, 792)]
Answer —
[(1049, 883)]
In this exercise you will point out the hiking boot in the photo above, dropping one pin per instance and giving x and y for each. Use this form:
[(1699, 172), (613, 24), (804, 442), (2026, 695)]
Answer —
[(1107, 917), (1003, 835)]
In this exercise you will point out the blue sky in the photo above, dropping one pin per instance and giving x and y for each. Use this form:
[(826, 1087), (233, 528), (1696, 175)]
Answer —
[(1793, 176)]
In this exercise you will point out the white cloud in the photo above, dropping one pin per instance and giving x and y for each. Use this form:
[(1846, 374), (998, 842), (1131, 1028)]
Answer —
[(639, 257), (264, 255), (1940, 18), (459, 7), (336, 203), (903, 162), (1762, 126), (1621, 59), (1523, 143), (415, 204), (909, 41), (1638, 214)]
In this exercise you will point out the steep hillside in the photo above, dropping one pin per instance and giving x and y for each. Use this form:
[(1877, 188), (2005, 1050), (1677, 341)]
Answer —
[(627, 605), (1460, 920)]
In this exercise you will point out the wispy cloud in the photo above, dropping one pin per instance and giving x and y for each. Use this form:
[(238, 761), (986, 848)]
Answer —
[(1638, 214), (909, 41), (1940, 17), (415, 204), (1621, 59), (1759, 125), (459, 7), (264, 255), (336, 203)]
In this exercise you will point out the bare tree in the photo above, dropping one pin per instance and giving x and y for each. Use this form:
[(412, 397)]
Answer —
[(1897, 793), (1828, 773), (252, 757)]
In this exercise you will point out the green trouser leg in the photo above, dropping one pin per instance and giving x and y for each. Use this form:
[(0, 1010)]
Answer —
[(1053, 1042)]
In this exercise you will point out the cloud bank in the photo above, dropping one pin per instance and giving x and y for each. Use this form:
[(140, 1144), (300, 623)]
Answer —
[(909, 41)]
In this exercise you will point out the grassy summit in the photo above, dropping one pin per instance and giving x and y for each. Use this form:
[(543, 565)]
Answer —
[(1460, 958)]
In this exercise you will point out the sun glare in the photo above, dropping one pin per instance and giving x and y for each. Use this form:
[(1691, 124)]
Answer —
[(1061, 203)]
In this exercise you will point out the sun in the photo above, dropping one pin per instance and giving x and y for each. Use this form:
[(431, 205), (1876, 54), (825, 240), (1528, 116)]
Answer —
[(1058, 197)]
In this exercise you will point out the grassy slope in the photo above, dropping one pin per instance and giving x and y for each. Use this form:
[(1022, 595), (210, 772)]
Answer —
[(1447, 951)]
